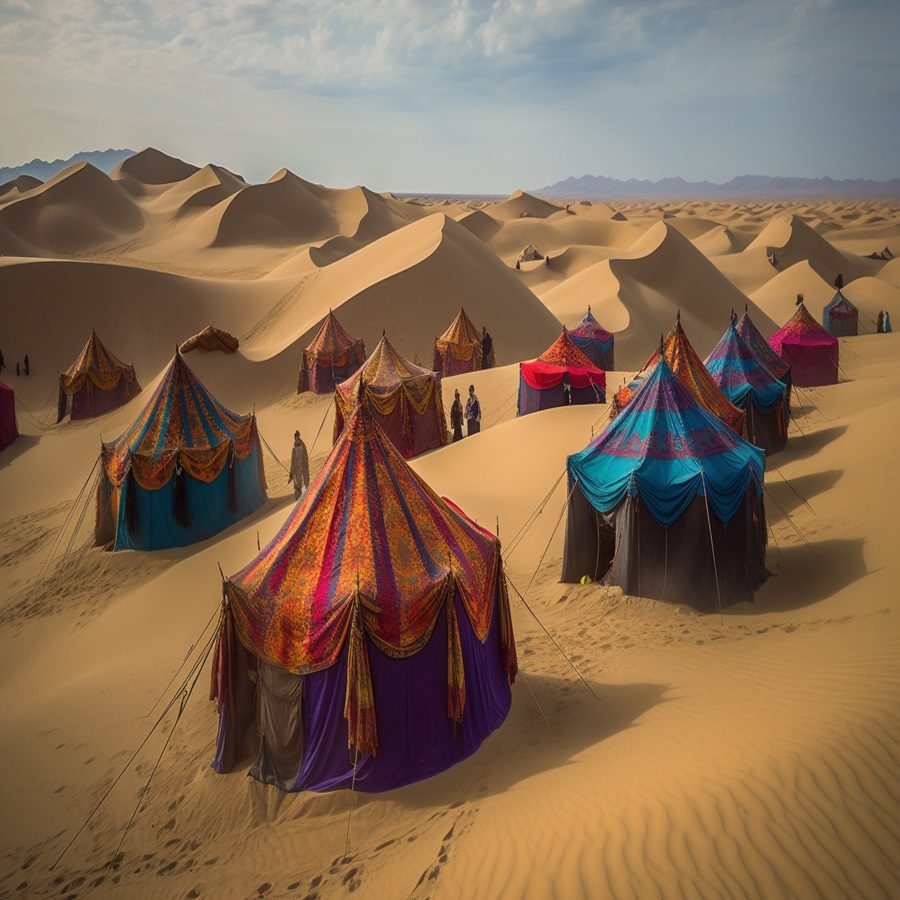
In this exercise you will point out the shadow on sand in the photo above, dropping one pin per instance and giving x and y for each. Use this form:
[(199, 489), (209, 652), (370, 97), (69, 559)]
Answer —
[(22, 444)]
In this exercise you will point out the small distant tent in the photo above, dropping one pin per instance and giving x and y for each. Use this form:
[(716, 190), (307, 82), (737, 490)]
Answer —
[(595, 342), (530, 253), (377, 625), (332, 357), (542, 382), (840, 317), (210, 340), (668, 502), (688, 368), (185, 470), (459, 349), (810, 351), (8, 428), (405, 400), (764, 353), (750, 386), (95, 383)]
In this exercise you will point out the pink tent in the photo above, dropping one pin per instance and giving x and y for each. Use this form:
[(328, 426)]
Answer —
[(810, 351), (8, 430)]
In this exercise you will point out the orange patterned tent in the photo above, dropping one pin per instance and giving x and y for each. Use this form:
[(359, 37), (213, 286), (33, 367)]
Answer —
[(96, 382), (405, 400), (459, 348), (690, 371), (332, 357), (210, 339)]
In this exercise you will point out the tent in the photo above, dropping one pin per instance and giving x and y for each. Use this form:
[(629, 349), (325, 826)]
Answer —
[(377, 622), (542, 381), (595, 342), (95, 383), (459, 349), (405, 400), (668, 502), (810, 351), (332, 357), (185, 470), (8, 429), (690, 371), (763, 352), (840, 317), (530, 253), (211, 339), (750, 386)]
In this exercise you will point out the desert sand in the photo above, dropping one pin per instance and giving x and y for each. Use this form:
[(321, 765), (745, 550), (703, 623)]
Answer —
[(749, 754)]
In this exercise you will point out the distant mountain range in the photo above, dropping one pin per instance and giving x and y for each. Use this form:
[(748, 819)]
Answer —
[(599, 187), (105, 160)]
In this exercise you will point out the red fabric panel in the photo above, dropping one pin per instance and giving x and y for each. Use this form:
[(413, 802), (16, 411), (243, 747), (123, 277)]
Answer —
[(543, 376)]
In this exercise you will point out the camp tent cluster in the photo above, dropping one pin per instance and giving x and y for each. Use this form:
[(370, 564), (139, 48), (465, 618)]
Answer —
[(95, 383), (183, 471), (377, 624)]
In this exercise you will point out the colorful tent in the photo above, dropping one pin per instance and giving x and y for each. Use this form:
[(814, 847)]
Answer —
[(8, 429), (459, 349), (764, 353), (810, 351), (404, 398), (96, 383), (332, 357), (595, 342), (667, 502), (690, 371), (211, 339), (185, 470), (377, 620), (840, 317), (542, 382), (750, 386)]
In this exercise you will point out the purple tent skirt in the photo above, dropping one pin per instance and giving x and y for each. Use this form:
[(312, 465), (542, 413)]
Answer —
[(303, 734), (532, 400)]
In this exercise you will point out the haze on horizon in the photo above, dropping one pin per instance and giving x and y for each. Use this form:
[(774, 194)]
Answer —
[(467, 96)]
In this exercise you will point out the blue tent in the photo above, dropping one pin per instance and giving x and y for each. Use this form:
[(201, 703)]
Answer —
[(750, 386), (668, 501), (185, 470), (595, 342)]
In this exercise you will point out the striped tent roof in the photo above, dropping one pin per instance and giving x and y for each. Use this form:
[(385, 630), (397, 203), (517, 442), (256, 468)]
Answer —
[(460, 333), (803, 330), (760, 347), (97, 363), (332, 344)]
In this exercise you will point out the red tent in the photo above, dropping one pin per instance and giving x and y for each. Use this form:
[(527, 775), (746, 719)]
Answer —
[(8, 430), (332, 357), (810, 351), (542, 382)]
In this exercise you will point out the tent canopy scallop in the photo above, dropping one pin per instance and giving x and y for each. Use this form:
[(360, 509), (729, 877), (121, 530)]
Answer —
[(211, 339)]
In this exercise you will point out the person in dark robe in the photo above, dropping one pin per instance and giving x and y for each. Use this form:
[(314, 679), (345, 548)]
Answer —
[(887, 322), (27, 365), (839, 281), (456, 418), (567, 390), (473, 412), (299, 474), (547, 260), (518, 264), (17, 368), (879, 328), (487, 346)]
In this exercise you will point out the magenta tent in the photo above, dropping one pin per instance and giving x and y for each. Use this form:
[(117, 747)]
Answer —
[(810, 351), (8, 430)]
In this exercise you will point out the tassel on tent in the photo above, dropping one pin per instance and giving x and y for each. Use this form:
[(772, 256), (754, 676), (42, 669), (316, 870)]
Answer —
[(180, 507), (232, 482), (504, 620), (359, 702), (131, 504), (222, 686), (456, 675)]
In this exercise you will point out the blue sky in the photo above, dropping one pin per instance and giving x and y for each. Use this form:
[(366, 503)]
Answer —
[(461, 95)]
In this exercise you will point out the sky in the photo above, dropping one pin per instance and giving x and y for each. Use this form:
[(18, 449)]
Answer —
[(461, 95)]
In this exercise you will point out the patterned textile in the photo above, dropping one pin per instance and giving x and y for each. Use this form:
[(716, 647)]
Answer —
[(741, 376), (404, 398), (667, 448), (560, 358), (594, 341), (331, 349), (96, 369), (181, 427), (8, 428), (764, 353), (210, 339), (688, 368), (840, 317), (458, 349), (370, 548), (808, 348)]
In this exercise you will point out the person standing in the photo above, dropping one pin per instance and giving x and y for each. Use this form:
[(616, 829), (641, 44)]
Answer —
[(27, 365), (473, 412), (879, 327), (567, 390), (456, 418), (487, 347), (17, 368), (887, 322), (299, 474)]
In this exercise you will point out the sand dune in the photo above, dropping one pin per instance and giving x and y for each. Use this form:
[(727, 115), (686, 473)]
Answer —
[(76, 211), (202, 190), (520, 204), (13, 189), (151, 168)]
